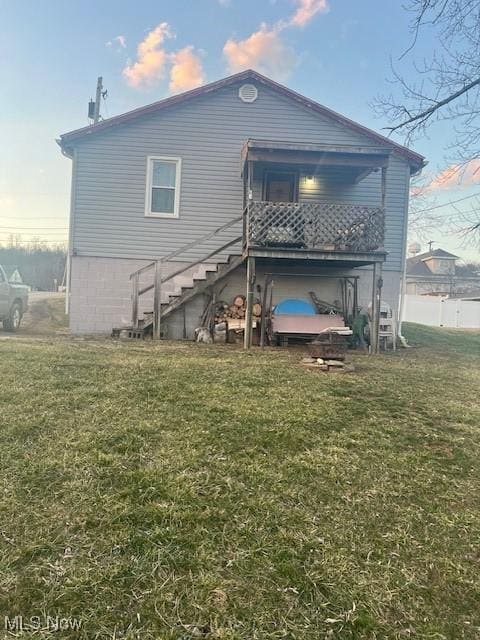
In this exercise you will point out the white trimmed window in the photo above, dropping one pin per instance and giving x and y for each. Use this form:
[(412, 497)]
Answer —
[(163, 187)]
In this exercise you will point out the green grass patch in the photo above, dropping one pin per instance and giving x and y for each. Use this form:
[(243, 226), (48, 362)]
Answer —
[(181, 491)]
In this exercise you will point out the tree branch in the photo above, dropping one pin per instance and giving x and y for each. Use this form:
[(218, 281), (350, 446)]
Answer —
[(435, 107)]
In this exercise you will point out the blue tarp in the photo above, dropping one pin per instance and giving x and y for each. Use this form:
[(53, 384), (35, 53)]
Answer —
[(294, 307)]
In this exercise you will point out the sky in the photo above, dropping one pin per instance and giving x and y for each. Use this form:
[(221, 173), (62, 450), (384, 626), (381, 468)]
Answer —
[(337, 52)]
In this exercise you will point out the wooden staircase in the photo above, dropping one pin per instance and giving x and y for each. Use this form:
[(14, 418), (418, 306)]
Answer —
[(172, 290), (213, 274)]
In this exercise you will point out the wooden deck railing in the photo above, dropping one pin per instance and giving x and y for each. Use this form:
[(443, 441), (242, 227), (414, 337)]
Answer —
[(330, 227)]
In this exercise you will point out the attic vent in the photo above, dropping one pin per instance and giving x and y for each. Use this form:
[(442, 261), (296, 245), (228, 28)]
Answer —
[(248, 93)]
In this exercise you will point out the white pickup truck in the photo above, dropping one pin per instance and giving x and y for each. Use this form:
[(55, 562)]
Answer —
[(13, 302)]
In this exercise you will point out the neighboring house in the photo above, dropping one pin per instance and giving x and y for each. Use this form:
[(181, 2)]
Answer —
[(436, 273), (13, 274), (296, 189)]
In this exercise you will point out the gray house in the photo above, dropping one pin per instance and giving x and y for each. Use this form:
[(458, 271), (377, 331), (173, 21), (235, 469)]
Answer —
[(225, 189), (436, 273)]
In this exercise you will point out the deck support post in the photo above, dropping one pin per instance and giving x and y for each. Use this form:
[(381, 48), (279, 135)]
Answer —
[(135, 282), (263, 319), (377, 284), (157, 300), (247, 342)]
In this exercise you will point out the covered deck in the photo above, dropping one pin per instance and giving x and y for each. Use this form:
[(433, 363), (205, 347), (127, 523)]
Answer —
[(300, 208)]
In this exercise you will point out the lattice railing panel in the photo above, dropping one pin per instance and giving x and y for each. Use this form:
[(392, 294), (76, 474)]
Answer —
[(330, 226)]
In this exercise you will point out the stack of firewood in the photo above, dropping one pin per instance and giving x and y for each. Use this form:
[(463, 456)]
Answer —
[(236, 310)]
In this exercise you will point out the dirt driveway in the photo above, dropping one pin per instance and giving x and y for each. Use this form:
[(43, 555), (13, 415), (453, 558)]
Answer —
[(45, 316)]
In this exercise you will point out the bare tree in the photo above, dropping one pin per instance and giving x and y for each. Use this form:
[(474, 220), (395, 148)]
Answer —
[(446, 85), (39, 263)]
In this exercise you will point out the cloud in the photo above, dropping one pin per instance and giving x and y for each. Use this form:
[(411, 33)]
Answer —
[(263, 50), (306, 10), (154, 63), (456, 177), (119, 42), (186, 72), (152, 59)]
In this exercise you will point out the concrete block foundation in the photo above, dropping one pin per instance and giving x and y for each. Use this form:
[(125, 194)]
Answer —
[(100, 292)]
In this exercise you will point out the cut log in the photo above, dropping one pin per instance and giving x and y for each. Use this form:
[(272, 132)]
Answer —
[(257, 309), (239, 301)]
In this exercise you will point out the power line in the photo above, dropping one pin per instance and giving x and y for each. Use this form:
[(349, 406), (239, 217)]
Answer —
[(442, 218), (33, 229), (454, 218), (35, 233), (33, 236), (439, 206), (22, 219), (36, 193), (22, 242)]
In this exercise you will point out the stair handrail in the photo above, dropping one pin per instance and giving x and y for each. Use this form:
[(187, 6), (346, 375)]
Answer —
[(159, 280), (146, 267), (207, 236), (188, 265)]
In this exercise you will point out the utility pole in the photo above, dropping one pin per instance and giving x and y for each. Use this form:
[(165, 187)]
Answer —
[(96, 115), (430, 244)]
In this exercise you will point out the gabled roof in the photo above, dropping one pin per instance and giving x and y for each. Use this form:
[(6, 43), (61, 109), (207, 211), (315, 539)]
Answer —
[(417, 268), (67, 139), (439, 253), (416, 264)]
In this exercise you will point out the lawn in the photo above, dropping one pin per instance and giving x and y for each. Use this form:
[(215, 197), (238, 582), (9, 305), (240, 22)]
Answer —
[(178, 491)]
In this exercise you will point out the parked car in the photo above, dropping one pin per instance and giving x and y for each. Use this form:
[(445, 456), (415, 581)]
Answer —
[(13, 302)]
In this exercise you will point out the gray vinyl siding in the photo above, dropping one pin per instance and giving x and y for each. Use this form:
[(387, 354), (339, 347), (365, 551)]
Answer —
[(207, 133)]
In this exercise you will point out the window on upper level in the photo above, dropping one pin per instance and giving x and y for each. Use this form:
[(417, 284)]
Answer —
[(163, 187)]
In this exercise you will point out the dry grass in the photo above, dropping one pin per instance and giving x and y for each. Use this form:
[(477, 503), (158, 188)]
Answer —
[(183, 491)]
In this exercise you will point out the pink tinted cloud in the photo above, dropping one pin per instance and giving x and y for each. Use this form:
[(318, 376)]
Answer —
[(306, 10), (456, 177), (152, 59), (186, 72), (154, 63), (263, 50)]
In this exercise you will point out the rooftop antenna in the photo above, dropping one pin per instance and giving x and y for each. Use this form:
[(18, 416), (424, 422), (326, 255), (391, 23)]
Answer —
[(430, 244), (94, 105)]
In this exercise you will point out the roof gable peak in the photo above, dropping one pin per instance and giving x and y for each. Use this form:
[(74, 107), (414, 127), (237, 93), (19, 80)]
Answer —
[(415, 159)]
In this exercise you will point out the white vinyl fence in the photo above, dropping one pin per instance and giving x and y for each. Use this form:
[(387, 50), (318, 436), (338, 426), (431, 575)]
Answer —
[(442, 312)]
